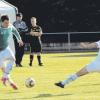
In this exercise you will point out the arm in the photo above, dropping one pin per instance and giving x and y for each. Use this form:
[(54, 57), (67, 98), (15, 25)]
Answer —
[(39, 33), (36, 33), (22, 28), (25, 28), (89, 45), (15, 32)]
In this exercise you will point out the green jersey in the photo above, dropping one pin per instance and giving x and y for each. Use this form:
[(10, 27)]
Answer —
[(5, 34)]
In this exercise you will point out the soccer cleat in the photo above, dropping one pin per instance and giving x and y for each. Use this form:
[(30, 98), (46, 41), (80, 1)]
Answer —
[(14, 86), (30, 64), (7, 79), (17, 65), (20, 65), (40, 64), (4, 80), (59, 85)]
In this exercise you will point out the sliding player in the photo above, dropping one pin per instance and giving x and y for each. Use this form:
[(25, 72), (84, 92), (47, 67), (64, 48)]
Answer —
[(94, 66)]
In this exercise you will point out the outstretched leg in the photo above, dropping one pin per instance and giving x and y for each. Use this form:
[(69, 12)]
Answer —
[(72, 77)]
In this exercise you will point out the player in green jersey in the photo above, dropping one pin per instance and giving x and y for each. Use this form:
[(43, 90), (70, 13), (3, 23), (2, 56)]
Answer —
[(7, 57)]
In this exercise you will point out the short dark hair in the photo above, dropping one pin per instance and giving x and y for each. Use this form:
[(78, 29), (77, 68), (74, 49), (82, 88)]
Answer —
[(4, 17), (19, 14)]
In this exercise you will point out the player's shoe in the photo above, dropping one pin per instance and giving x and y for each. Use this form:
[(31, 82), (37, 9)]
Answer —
[(30, 64), (4, 80), (19, 65), (14, 86), (40, 64), (8, 79), (59, 85)]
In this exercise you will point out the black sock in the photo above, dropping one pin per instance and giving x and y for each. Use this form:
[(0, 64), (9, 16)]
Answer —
[(31, 59), (39, 59)]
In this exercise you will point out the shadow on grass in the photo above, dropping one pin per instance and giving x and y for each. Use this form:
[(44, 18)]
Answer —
[(77, 55), (39, 96), (13, 92), (50, 95)]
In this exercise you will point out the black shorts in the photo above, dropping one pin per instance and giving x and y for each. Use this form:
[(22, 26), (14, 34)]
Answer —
[(35, 45)]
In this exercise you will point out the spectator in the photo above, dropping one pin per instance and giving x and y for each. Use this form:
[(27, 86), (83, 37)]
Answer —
[(20, 25)]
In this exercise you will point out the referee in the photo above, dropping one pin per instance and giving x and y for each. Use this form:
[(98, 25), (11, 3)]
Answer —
[(20, 25), (35, 41)]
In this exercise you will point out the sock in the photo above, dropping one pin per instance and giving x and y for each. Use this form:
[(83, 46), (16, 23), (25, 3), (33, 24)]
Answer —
[(31, 59), (70, 79), (39, 59), (8, 68), (5, 75)]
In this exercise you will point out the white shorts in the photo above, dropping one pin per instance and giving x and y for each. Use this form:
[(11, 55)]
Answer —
[(6, 55), (93, 66)]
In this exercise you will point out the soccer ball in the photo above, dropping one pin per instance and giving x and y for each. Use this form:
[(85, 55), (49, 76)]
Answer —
[(30, 82)]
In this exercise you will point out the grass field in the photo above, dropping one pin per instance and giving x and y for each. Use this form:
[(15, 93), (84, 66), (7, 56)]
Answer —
[(56, 67)]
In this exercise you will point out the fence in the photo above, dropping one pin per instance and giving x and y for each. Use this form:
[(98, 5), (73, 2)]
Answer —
[(67, 41)]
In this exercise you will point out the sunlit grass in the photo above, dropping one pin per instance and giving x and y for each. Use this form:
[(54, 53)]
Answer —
[(56, 67)]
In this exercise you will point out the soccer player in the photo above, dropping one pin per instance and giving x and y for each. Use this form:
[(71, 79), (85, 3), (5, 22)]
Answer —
[(7, 58), (94, 66), (35, 41)]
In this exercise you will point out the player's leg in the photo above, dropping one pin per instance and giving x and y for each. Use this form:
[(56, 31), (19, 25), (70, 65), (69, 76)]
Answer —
[(39, 59), (7, 71), (31, 58), (17, 50), (21, 55), (2, 68), (72, 77), (2, 59), (38, 51), (92, 67), (9, 57)]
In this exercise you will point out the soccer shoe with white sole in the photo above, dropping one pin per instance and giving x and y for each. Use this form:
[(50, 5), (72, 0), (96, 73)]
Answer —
[(59, 85)]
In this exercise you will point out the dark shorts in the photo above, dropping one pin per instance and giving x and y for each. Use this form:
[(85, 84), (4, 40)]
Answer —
[(36, 48), (35, 45)]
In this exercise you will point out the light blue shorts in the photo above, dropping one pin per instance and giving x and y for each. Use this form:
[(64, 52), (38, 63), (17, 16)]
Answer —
[(94, 66), (6, 55)]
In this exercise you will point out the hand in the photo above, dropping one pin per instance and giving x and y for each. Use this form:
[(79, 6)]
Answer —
[(83, 45), (31, 33), (36, 34), (20, 43)]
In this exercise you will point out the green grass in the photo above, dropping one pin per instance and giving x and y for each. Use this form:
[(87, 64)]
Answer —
[(56, 67)]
